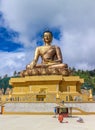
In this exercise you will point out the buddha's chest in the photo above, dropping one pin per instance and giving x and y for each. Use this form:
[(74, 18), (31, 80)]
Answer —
[(47, 50)]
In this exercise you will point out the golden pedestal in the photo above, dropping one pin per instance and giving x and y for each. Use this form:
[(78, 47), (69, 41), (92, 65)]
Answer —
[(48, 88)]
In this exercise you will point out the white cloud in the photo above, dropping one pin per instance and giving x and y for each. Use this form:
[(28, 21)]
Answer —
[(75, 19), (85, 66), (78, 48), (14, 61)]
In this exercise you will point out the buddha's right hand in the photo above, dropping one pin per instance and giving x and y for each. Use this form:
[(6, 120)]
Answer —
[(31, 65), (28, 67)]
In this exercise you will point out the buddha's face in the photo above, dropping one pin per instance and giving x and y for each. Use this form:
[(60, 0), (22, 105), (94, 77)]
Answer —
[(47, 37)]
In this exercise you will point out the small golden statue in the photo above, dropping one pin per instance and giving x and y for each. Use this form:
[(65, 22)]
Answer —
[(51, 60)]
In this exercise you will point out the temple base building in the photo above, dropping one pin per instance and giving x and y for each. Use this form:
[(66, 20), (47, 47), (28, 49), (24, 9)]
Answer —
[(50, 88)]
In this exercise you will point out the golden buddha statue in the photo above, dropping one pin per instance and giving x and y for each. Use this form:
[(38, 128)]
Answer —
[(51, 59)]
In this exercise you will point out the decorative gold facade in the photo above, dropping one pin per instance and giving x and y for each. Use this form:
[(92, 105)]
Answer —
[(50, 88)]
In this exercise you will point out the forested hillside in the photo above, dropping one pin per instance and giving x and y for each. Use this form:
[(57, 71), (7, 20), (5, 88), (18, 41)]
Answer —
[(89, 78)]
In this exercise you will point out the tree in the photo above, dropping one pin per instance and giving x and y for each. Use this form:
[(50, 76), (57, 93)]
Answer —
[(4, 83), (5, 76), (15, 73)]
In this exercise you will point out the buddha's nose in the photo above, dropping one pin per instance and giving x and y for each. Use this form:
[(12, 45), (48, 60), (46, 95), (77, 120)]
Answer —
[(48, 37)]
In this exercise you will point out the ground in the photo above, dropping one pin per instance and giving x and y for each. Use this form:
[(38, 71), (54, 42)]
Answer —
[(45, 122)]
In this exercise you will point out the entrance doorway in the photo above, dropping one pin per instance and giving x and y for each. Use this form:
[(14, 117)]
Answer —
[(40, 97)]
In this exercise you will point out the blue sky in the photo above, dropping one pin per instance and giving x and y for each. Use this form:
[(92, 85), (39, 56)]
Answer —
[(22, 23), (7, 35), (6, 44)]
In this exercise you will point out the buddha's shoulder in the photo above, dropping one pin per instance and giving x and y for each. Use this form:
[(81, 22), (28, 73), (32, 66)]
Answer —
[(40, 48), (57, 47)]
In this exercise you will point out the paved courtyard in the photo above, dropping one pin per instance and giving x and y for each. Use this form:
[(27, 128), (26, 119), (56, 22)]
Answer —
[(45, 122)]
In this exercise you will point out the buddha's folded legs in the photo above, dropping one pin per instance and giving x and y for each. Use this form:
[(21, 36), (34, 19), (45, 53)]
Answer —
[(59, 66), (50, 66), (46, 71)]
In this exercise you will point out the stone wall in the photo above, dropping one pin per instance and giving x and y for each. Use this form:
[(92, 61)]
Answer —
[(87, 107), (29, 107), (46, 107)]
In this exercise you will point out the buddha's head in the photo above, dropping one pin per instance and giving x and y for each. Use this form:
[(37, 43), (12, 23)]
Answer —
[(47, 37)]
